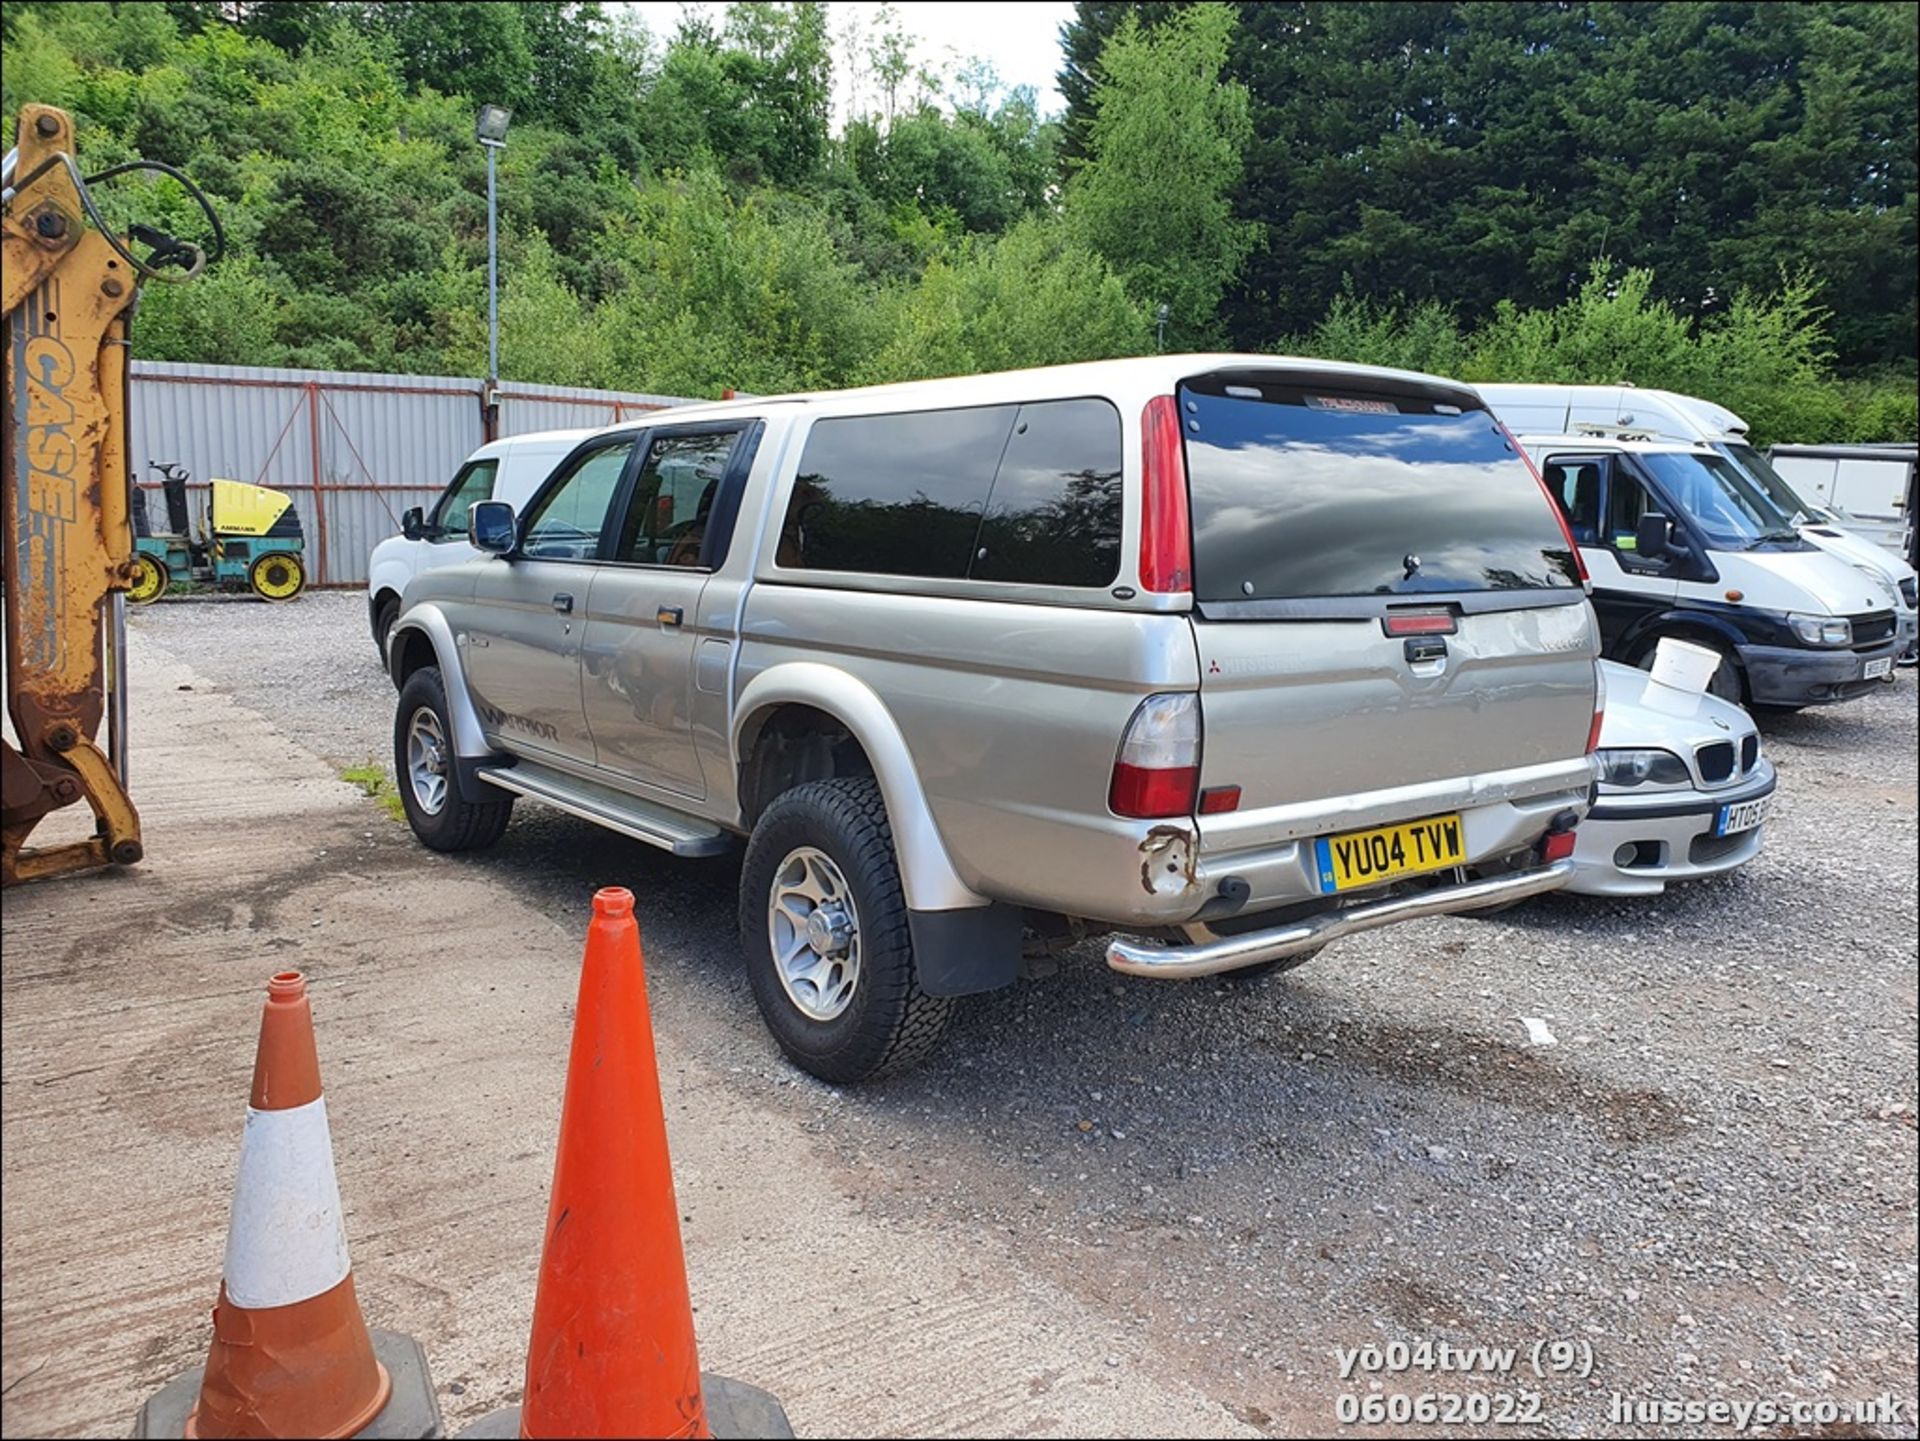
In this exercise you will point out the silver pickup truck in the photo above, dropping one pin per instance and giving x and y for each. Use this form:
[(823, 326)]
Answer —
[(1222, 657)]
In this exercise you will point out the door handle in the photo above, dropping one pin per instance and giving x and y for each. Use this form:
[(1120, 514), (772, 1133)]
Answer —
[(669, 615), (563, 603), (1421, 649)]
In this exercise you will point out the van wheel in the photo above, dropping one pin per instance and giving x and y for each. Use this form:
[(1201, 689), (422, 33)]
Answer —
[(383, 620), (823, 921), (1727, 683), (440, 810)]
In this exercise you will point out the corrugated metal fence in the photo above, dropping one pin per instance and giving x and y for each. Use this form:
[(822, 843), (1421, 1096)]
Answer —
[(353, 450)]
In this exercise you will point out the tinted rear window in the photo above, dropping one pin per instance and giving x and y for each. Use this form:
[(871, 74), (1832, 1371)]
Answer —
[(1028, 493), (894, 494), (1299, 495), (1054, 515)]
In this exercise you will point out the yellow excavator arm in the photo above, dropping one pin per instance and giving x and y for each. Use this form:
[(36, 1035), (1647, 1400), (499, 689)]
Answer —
[(68, 557)]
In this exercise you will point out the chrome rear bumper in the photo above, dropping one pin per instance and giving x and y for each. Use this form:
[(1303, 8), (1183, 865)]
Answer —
[(1230, 953)]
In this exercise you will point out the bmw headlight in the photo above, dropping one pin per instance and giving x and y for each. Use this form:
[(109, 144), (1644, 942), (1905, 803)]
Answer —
[(1643, 768), (1822, 630)]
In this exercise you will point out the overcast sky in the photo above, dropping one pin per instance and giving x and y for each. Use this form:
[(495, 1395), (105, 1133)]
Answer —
[(1021, 39)]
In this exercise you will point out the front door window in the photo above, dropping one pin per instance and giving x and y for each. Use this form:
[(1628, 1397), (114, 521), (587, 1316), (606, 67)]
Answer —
[(566, 521), (474, 483)]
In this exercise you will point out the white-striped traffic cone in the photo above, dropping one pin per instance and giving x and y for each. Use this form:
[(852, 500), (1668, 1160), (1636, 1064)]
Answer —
[(291, 1354)]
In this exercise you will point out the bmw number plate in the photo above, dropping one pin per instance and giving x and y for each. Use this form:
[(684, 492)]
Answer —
[(1730, 820)]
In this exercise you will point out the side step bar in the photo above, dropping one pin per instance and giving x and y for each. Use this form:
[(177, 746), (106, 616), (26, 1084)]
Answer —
[(642, 820)]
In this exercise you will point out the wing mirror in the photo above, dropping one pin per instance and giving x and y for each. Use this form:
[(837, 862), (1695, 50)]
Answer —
[(413, 523), (1653, 536), (491, 526)]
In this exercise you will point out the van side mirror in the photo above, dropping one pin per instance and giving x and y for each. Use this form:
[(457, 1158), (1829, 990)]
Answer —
[(491, 526), (1653, 536), (413, 522)]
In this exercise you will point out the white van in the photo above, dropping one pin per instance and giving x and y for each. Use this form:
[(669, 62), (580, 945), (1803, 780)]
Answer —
[(1665, 414), (506, 470), (1679, 541)]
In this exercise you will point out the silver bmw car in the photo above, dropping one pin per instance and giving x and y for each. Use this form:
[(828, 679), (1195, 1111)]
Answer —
[(1684, 789)]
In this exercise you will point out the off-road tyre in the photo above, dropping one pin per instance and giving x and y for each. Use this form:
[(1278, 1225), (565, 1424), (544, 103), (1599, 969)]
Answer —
[(890, 1023)]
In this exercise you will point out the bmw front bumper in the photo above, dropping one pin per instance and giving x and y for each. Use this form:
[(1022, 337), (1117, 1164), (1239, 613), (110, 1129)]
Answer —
[(1633, 845)]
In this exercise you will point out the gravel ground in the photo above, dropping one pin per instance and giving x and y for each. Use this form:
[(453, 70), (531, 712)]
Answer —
[(1709, 1182)]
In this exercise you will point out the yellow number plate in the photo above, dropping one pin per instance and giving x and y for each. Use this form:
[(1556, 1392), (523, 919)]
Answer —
[(1371, 858)]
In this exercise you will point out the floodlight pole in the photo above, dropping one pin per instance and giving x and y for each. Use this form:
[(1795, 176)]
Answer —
[(490, 129), (493, 266)]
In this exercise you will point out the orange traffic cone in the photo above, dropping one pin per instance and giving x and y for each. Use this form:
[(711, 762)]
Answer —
[(291, 1354), (612, 1349)]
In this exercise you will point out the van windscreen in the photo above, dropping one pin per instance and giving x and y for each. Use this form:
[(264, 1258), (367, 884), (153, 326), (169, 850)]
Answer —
[(1300, 494)]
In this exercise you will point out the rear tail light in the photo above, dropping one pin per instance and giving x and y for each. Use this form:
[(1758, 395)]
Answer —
[(1553, 504), (1166, 542), (1599, 709), (1157, 773)]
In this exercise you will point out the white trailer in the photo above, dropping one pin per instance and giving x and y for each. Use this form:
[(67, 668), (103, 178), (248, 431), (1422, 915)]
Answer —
[(1873, 484)]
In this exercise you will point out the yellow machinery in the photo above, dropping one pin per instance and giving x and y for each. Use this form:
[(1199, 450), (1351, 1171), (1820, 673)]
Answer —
[(69, 553), (250, 536)]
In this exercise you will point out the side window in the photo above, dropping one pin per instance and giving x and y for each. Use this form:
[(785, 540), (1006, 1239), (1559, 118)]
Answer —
[(1575, 484), (1627, 501), (666, 521), (473, 483), (1053, 517), (894, 494), (565, 523)]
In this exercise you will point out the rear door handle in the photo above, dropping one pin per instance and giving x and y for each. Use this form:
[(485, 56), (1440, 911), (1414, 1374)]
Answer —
[(563, 603), (669, 615)]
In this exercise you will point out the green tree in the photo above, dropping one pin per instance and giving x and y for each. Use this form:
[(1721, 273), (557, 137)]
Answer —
[(720, 292), (1470, 152), (1034, 296), (752, 98), (475, 48), (1154, 196), (1081, 41), (925, 159)]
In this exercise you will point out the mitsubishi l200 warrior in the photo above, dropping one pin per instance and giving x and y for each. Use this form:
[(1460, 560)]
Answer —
[(1221, 657)]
